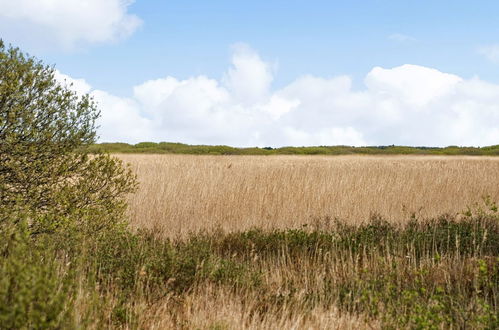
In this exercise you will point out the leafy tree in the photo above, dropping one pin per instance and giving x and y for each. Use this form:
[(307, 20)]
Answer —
[(44, 129)]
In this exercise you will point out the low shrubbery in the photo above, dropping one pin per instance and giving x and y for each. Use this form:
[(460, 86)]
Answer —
[(180, 148), (434, 273)]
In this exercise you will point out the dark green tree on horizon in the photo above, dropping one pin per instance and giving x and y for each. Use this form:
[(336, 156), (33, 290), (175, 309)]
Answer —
[(44, 129)]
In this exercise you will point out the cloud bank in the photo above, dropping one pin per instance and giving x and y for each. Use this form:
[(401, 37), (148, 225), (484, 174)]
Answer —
[(66, 23), (405, 105)]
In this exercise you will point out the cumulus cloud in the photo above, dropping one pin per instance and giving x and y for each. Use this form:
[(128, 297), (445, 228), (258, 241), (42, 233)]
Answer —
[(249, 78), (121, 119), (79, 85), (491, 52), (405, 105), (66, 23), (415, 84)]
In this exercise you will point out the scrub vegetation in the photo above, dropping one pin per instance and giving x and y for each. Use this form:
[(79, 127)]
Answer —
[(437, 273), (73, 256), (180, 148)]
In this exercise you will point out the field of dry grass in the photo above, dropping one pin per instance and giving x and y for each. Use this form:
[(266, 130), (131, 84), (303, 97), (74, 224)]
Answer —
[(212, 307), (320, 278), (187, 193), (249, 242)]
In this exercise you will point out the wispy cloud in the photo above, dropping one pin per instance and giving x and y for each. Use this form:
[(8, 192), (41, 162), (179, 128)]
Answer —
[(491, 52), (399, 37)]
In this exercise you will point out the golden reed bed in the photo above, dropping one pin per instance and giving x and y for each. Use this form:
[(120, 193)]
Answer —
[(184, 193)]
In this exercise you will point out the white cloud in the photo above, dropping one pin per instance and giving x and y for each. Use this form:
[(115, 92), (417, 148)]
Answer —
[(414, 84), (78, 85), (327, 136), (66, 23), (249, 78), (399, 37), (408, 105), (491, 52), (278, 106), (121, 119)]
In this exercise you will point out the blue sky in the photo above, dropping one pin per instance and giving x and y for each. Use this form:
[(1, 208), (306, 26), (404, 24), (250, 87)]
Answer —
[(187, 38), (113, 47)]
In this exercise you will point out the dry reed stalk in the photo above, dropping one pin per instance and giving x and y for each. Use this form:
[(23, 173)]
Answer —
[(212, 307), (186, 193)]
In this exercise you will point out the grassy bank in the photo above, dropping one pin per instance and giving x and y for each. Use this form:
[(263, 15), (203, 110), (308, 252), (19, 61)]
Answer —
[(423, 274), (180, 148)]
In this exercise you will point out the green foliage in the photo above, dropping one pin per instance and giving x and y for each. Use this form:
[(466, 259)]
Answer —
[(436, 273), (43, 127), (141, 262), (180, 148), (41, 122), (472, 236), (426, 274), (36, 289), (54, 197)]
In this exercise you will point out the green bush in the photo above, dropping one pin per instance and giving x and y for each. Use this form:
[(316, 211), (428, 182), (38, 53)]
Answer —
[(37, 290), (44, 165), (55, 198)]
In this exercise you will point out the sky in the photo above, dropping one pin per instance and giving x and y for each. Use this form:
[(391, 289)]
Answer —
[(274, 73)]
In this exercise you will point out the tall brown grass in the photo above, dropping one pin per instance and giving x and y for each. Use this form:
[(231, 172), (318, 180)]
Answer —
[(186, 193), (214, 307)]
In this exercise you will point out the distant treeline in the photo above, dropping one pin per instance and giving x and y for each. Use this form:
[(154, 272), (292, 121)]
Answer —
[(180, 148)]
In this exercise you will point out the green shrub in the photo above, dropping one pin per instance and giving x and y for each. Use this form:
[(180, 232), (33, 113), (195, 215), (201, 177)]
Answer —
[(44, 129), (55, 198), (37, 291)]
